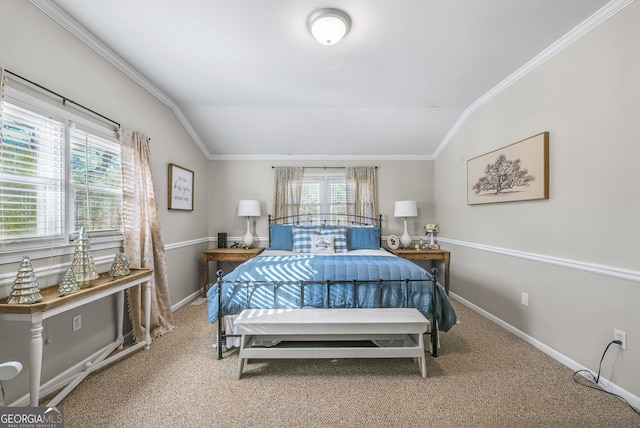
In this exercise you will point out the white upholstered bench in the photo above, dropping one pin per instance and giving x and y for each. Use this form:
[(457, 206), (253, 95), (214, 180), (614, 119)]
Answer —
[(402, 326)]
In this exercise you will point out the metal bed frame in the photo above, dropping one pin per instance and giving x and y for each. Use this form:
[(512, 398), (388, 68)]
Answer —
[(252, 286), (348, 220)]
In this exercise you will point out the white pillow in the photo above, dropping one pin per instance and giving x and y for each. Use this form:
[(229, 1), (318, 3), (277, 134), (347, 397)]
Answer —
[(322, 244)]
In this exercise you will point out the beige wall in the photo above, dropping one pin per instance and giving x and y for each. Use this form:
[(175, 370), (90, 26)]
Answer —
[(586, 97), (235, 180), (47, 54), (37, 48), (570, 253)]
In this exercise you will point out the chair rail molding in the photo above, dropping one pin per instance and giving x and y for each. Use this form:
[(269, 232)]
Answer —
[(611, 271)]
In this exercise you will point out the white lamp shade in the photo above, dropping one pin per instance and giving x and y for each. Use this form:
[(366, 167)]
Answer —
[(329, 26), (405, 209), (249, 208)]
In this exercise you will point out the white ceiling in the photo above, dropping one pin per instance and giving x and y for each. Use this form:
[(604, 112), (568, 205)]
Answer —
[(248, 80)]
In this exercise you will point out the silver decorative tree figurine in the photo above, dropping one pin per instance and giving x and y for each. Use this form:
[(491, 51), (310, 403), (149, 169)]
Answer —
[(25, 287), (69, 284), (120, 265), (82, 265)]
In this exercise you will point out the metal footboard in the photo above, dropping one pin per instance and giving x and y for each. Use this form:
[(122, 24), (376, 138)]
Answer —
[(252, 286)]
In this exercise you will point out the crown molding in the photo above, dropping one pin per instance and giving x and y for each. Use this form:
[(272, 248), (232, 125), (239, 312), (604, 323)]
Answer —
[(320, 157), (69, 24), (59, 16), (72, 26), (606, 12)]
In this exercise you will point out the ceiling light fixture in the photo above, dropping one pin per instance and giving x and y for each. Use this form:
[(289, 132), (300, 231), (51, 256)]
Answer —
[(329, 26)]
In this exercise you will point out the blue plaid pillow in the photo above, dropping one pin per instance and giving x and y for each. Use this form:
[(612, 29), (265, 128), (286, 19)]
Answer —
[(302, 238), (340, 238)]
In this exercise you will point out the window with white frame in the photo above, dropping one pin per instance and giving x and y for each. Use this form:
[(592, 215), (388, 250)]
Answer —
[(58, 172), (324, 193)]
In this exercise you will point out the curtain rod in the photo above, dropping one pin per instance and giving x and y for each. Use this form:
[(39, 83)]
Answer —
[(318, 167), (64, 99)]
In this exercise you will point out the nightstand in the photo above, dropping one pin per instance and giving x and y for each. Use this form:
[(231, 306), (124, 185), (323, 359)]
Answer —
[(224, 255), (442, 255)]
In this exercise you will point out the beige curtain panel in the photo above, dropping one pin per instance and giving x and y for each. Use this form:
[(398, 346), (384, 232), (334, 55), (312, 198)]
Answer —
[(288, 191), (362, 191), (144, 246)]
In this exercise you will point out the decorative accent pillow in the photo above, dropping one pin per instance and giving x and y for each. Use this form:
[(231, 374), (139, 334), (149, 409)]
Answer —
[(322, 244), (363, 237), (302, 238), (339, 237), (281, 237)]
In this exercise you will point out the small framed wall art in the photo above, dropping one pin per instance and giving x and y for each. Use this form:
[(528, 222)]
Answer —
[(518, 172), (180, 188)]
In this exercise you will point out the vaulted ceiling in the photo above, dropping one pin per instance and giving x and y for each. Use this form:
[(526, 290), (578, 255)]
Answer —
[(247, 79)]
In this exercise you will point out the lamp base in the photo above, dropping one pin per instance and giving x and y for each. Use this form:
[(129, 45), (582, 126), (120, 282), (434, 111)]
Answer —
[(247, 239), (406, 239)]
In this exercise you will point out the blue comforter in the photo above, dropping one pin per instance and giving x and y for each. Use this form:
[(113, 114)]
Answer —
[(310, 267)]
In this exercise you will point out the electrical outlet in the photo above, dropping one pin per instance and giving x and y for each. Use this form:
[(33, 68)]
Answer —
[(77, 322), (525, 299), (621, 336)]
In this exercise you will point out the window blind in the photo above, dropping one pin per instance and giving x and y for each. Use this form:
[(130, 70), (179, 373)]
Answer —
[(96, 181), (323, 193), (58, 172), (31, 174)]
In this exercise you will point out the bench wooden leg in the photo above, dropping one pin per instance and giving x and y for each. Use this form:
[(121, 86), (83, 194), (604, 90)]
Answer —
[(244, 341), (422, 361)]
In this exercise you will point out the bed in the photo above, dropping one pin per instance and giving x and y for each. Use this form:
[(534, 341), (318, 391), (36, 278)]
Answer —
[(316, 263)]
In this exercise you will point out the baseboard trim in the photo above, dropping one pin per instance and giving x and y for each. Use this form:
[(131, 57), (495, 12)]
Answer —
[(186, 300), (606, 384)]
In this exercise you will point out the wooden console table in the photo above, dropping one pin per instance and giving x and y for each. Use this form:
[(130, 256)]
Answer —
[(224, 255), (53, 304), (442, 255)]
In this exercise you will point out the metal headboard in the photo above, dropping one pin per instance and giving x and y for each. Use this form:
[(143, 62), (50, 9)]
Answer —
[(331, 219), (327, 219)]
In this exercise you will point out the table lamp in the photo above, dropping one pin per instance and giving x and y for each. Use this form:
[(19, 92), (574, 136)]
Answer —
[(248, 209), (405, 209)]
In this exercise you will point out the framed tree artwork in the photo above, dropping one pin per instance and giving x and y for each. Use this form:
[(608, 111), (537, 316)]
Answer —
[(180, 188), (518, 172)]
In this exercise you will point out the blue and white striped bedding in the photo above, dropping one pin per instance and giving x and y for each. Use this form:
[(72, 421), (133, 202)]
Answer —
[(361, 265)]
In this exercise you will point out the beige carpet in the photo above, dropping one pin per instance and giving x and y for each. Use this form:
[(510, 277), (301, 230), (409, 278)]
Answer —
[(484, 377)]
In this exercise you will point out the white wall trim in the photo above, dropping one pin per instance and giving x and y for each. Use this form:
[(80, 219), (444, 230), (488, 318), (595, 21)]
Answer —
[(186, 300), (322, 157), (7, 279), (609, 386), (69, 24), (176, 245), (611, 271), (73, 27), (83, 35), (606, 12)]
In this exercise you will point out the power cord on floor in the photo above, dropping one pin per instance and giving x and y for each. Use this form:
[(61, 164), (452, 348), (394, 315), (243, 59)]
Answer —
[(596, 379)]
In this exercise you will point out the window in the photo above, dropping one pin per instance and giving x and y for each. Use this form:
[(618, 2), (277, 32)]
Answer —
[(96, 182), (31, 175), (351, 194), (58, 172), (324, 193)]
